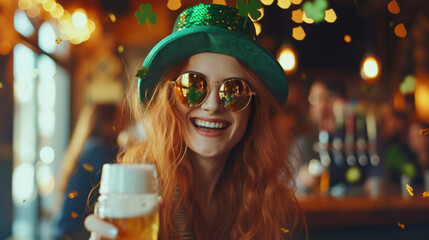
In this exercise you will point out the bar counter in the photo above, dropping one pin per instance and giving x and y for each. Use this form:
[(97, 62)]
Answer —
[(334, 212)]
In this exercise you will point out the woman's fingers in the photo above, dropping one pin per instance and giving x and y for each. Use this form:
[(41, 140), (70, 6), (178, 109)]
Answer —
[(98, 228), (93, 237)]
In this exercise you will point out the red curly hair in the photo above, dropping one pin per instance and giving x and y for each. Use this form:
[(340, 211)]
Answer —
[(256, 190)]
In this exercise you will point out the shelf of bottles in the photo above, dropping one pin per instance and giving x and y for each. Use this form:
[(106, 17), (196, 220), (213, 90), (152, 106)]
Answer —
[(348, 155)]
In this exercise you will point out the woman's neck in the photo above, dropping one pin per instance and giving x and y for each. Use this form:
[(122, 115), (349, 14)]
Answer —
[(206, 175), (207, 171)]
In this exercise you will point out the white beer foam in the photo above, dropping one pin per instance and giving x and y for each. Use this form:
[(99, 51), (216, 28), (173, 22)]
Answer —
[(126, 206)]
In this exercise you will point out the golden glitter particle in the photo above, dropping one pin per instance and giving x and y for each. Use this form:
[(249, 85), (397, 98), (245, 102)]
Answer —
[(121, 48), (74, 215), (424, 131), (401, 225), (285, 230), (112, 17), (425, 194), (88, 167), (73, 194), (1, 85), (410, 190), (58, 40)]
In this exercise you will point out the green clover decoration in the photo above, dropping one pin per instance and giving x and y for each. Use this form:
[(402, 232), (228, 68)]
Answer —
[(145, 14), (141, 73), (249, 8)]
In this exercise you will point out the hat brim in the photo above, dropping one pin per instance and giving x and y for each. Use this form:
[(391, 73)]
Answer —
[(199, 39)]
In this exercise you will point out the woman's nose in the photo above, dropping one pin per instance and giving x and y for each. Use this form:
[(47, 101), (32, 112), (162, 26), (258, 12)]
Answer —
[(212, 102)]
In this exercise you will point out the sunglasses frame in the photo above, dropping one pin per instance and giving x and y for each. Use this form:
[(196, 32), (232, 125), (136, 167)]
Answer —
[(252, 93)]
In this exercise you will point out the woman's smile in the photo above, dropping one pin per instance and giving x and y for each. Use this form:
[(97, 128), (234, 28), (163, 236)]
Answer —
[(210, 127)]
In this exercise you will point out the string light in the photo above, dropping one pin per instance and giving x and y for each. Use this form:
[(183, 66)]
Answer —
[(370, 69), (77, 28), (287, 59)]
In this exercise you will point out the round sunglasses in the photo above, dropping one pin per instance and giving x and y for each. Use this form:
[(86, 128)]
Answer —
[(192, 90)]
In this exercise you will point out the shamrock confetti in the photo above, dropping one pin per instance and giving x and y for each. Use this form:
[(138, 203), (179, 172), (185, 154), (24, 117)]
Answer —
[(88, 167), (58, 40), (424, 131), (249, 8), (145, 14), (72, 195), (315, 10), (401, 225), (408, 85), (410, 190), (141, 73)]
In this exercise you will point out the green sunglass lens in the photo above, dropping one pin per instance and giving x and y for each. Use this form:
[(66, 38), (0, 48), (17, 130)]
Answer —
[(191, 89)]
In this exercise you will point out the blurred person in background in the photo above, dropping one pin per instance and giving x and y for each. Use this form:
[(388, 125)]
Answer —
[(93, 143), (419, 145), (322, 96)]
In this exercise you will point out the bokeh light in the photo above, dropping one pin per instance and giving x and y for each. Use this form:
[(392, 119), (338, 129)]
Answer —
[(47, 154), (174, 4), (287, 59), (296, 2), (370, 69), (400, 30), (297, 16), (284, 4), (330, 16), (393, 7), (347, 38), (267, 2), (79, 18), (298, 33)]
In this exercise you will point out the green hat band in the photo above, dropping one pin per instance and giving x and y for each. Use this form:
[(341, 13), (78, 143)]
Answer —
[(215, 15)]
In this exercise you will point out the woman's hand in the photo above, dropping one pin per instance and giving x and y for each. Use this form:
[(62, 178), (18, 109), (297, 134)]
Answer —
[(99, 228)]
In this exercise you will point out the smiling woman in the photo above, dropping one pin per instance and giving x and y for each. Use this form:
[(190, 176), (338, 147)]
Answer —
[(211, 103)]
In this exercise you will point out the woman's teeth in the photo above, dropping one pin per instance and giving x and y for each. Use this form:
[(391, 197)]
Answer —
[(205, 124)]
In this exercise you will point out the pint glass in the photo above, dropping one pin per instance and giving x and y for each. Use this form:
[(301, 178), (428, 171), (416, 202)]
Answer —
[(129, 200)]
